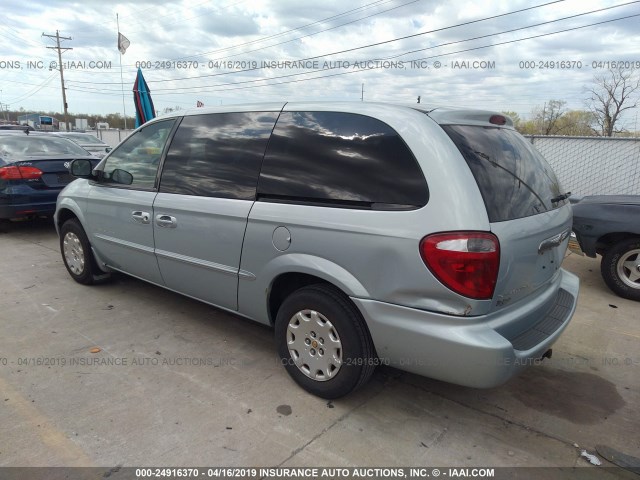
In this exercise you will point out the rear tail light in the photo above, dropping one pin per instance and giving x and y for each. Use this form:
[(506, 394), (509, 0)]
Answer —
[(20, 173), (465, 262)]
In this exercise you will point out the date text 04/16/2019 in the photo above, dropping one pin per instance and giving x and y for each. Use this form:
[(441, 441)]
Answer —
[(577, 64)]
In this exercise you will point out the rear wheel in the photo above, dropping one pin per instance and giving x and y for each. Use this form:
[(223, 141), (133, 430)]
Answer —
[(323, 342), (620, 268), (76, 253)]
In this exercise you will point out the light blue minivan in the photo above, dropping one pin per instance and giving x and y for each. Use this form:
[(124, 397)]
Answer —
[(426, 239)]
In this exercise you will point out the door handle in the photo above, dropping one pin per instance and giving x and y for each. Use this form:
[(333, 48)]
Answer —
[(166, 221), (140, 217)]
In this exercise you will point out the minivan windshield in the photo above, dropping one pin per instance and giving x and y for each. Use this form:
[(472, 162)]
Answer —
[(514, 178)]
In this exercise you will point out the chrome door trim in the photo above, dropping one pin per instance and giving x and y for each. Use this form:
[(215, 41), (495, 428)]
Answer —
[(124, 243), (198, 262)]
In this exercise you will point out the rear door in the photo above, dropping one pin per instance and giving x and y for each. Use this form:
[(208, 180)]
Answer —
[(524, 203), (120, 205), (207, 189)]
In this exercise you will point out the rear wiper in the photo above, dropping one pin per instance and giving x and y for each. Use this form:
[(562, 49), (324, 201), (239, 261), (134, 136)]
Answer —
[(559, 198)]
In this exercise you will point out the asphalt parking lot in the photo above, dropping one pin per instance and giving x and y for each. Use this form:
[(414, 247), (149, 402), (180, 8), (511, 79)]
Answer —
[(178, 383)]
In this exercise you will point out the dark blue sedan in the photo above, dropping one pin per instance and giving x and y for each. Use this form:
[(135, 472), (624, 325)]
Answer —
[(33, 170)]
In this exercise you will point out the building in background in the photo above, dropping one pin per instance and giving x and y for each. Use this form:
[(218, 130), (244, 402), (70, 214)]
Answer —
[(39, 122)]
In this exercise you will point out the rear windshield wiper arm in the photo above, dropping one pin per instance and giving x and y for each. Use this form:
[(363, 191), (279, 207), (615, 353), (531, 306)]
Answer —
[(559, 198)]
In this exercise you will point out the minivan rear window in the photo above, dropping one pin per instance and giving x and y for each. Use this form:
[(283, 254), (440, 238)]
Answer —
[(514, 178)]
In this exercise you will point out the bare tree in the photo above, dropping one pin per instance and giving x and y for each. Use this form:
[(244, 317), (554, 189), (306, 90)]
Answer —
[(611, 95), (551, 113)]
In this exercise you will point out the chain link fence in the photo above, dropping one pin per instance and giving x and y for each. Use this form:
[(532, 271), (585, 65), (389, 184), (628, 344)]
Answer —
[(593, 165)]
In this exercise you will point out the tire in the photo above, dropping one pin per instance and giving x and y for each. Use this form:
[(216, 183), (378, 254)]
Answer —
[(76, 254), (333, 354), (620, 268)]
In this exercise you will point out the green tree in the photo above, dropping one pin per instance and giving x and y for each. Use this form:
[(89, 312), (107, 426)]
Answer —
[(514, 117), (576, 123)]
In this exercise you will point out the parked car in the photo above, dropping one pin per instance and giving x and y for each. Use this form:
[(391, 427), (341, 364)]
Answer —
[(22, 128), (33, 170), (89, 142), (427, 239), (609, 225)]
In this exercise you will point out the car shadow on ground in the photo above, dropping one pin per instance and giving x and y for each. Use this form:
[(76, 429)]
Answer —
[(33, 226)]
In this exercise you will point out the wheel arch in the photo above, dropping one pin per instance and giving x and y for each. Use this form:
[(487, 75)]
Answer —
[(284, 285), (605, 242), (62, 215), (67, 209), (287, 273)]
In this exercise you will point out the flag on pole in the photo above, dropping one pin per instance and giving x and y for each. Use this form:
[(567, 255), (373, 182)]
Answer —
[(199, 104), (123, 43)]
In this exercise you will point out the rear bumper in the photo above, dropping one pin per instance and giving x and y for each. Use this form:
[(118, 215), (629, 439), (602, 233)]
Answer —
[(471, 351), (8, 211), (22, 201)]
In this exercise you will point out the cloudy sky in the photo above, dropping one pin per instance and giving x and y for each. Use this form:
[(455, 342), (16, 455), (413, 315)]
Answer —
[(502, 55)]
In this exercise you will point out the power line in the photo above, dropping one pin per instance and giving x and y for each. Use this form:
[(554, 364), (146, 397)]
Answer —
[(195, 88), (512, 30), (348, 12), (286, 32), (417, 59), (33, 91), (387, 41), (303, 36)]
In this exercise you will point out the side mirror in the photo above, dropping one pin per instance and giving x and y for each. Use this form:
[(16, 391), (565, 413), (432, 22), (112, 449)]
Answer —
[(81, 168), (121, 176)]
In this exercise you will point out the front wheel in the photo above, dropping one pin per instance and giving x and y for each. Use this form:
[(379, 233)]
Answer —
[(620, 268), (323, 342), (76, 253)]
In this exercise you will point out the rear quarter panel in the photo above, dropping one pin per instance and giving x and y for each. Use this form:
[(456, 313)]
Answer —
[(592, 221), (370, 254)]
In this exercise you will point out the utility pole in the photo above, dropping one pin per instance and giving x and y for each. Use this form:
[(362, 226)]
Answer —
[(362, 94), (60, 50), (5, 113)]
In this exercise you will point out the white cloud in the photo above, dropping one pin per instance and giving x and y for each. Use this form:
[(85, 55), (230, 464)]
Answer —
[(224, 39)]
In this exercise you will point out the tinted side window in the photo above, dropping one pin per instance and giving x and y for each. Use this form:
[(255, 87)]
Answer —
[(217, 155), (340, 159), (139, 155), (514, 179)]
